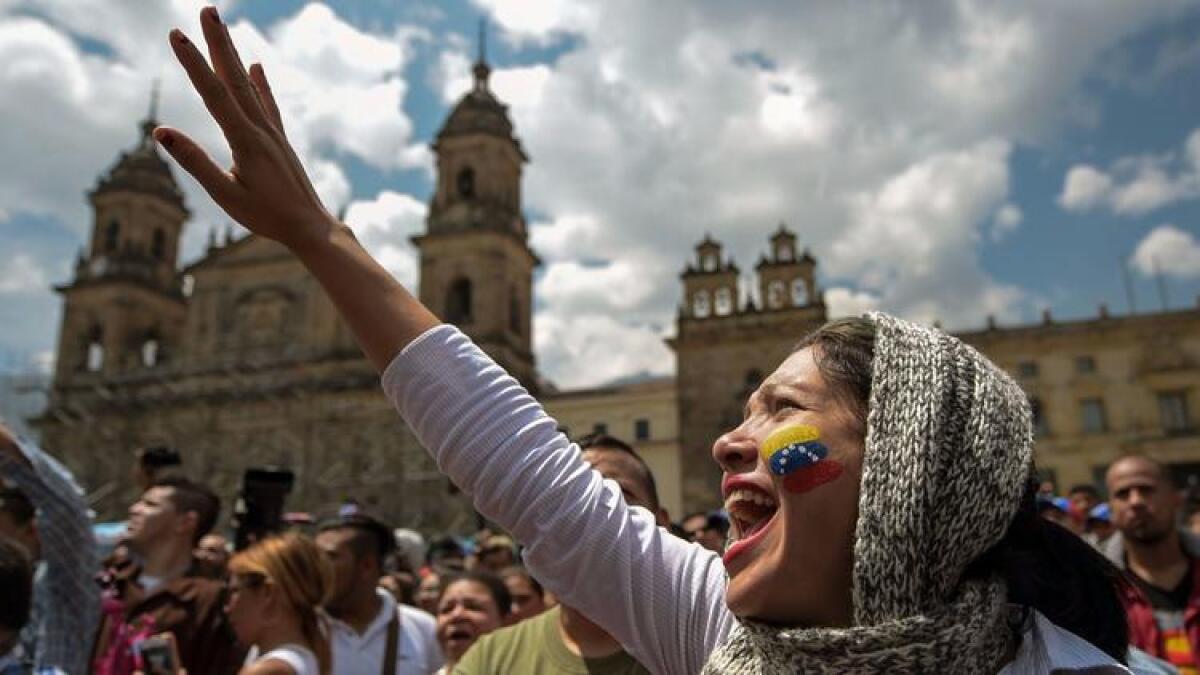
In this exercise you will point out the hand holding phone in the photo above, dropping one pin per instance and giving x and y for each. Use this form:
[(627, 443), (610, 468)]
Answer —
[(158, 655)]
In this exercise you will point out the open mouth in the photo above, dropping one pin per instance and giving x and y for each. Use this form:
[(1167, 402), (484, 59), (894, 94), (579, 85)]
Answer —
[(751, 512), (460, 634)]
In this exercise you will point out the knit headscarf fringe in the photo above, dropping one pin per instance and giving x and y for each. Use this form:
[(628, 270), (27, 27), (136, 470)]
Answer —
[(948, 451)]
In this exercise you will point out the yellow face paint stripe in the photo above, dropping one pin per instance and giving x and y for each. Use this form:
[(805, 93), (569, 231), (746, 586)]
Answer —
[(785, 437)]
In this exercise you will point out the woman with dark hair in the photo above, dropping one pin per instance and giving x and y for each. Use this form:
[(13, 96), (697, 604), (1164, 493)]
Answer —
[(879, 484), (471, 605)]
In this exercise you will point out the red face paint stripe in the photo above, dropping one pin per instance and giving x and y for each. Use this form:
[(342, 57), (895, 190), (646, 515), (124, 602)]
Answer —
[(812, 476)]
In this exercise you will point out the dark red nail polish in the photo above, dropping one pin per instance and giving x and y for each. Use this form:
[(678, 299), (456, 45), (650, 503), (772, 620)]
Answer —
[(216, 16), (164, 139)]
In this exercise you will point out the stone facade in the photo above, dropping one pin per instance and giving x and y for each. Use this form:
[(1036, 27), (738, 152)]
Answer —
[(240, 360)]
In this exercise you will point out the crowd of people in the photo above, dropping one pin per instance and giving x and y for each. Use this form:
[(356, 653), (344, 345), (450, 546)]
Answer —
[(881, 512)]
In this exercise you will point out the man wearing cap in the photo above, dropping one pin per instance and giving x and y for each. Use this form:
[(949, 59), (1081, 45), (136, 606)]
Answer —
[(498, 553), (1099, 525), (370, 633)]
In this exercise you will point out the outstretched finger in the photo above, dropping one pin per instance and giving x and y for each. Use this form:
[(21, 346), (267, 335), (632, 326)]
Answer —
[(228, 65), (212, 91), (217, 182), (265, 96)]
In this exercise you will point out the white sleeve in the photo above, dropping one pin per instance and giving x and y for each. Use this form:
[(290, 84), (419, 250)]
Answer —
[(422, 629), (661, 597)]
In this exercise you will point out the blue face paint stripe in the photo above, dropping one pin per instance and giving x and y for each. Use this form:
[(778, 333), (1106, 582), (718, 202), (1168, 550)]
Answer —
[(796, 456)]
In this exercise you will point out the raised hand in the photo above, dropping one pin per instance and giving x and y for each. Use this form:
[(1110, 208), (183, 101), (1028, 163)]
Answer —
[(266, 189)]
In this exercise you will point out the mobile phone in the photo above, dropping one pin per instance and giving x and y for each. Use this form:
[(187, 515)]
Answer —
[(157, 656)]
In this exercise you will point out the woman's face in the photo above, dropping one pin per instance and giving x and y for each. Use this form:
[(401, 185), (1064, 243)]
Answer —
[(427, 593), (466, 611), (792, 554), (247, 606)]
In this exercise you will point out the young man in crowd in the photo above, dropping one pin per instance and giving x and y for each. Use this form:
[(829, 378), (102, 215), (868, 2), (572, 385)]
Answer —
[(707, 529), (165, 590), (497, 553), (1082, 498), (16, 588), (1163, 602), (45, 512), (561, 640), (370, 632)]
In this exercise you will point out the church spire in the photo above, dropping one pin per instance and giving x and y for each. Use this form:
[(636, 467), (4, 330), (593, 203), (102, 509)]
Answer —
[(482, 70), (151, 121)]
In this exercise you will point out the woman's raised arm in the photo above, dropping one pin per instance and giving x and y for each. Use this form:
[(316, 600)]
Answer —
[(268, 192)]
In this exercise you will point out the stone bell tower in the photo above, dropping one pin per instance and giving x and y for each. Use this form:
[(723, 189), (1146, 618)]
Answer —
[(476, 264), (124, 309)]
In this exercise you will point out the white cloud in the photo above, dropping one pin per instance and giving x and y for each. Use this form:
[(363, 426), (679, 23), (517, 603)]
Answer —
[(585, 350), (1006, 221), (1169, 250), (1136, 185), (848, 302), (1084, 187), (383, 225), (21, 274)]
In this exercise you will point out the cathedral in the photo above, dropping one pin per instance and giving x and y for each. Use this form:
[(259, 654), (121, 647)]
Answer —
[(239, 360)]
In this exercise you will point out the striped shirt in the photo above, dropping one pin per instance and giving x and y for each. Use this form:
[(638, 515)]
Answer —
[(66, 600)]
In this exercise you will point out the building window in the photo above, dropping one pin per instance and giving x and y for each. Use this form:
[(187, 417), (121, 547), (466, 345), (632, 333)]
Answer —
[(599, 428), (466, 183), (1173, 410), (458, 302), (641, 430), (709, 262), (724, 301), (111, 236), (93, 357), (776, 294), (1040, 426), (1085, 365), (150, 352), (700, 306), (799, 292), (1027, 369), (158, 245), (783, 253), (1091, 412)]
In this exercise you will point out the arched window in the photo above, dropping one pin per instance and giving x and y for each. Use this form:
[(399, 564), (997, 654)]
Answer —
[(709, 263), (158, 245), (776, 294), (799, 292), (466, 183), (151, 351), (93, 357), (112, 235), (724, 301), (514, 311), (783, 252), (458, 302), (700, 306)]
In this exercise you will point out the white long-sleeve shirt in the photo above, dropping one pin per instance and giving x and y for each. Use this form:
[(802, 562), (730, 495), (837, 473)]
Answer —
[(661, 597)]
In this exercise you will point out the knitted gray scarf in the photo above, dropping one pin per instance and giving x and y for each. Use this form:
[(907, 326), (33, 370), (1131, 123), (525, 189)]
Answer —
[(948, 450)]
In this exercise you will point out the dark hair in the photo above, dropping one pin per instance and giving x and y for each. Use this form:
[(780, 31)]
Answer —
[(16, 585), (491, 582), (1086, 488), (441, 547), (519, 571), (158, 457), (600, 441), (187, 495), (16, 505), (1045, 566), (371, 537)]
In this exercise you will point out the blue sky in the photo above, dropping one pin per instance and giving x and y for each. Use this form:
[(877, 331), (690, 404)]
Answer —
[(943, 160)]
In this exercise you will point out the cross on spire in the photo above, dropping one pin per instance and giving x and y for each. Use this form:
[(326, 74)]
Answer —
[(151, 120), (482, 70)]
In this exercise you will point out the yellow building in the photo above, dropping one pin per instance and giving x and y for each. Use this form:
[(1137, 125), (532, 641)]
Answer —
[(644, 414)]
